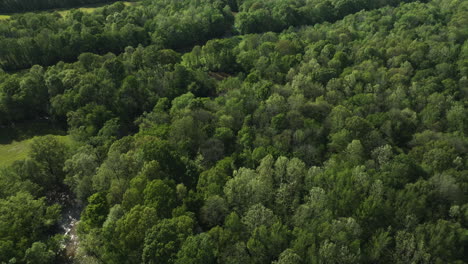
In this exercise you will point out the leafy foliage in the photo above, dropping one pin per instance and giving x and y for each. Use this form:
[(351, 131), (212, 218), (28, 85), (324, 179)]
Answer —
[(339, 142)]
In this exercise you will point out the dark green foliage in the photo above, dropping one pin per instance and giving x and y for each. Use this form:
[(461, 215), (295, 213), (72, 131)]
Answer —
[(199, 249), (24, 220), (164, 240), (47, 38), (95, 213), (340, 142), (273, 15)]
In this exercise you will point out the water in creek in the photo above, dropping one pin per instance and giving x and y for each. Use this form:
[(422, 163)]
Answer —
[(70, 244), (70, 218)]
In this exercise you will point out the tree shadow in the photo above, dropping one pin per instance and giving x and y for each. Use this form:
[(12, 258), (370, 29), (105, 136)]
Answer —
[(29, 129)]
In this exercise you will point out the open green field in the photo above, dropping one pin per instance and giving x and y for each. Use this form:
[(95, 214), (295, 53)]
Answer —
[(18, 150), (83, 9), (64, 12)]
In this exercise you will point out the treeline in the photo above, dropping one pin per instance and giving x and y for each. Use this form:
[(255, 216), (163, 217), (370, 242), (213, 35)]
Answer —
[(17, 6), (45, 39), (256, 16), (337, 143)]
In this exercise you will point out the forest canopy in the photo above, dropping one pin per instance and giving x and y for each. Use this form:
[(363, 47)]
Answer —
[(240, 132)]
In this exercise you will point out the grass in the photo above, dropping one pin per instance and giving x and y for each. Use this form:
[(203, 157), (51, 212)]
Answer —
[(16, 140), (82, 9), (18, 150), (64, 12), (14, 151), (89, 9)]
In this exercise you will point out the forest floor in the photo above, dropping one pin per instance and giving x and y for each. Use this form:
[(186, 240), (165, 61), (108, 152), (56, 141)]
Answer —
[(65, 11)]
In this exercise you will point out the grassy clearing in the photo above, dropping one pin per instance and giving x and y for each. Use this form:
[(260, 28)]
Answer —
[(15, 141), (18, 150), (82, 9), (64, 12), (14, 151)]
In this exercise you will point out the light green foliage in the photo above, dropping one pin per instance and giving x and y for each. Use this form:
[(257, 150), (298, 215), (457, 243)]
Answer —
[(303, 142), (80, 168), (199, 249), (246, 189), (38, 253), (258, 215), (288, 257), (131, 229), (266, 242), (341, 244), (95, 213), (50, 154), (160, 196), (164, 240), (24, 220)]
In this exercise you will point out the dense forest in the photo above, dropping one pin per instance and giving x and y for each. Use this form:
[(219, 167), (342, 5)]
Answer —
[(223, 131), (47, 38)]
